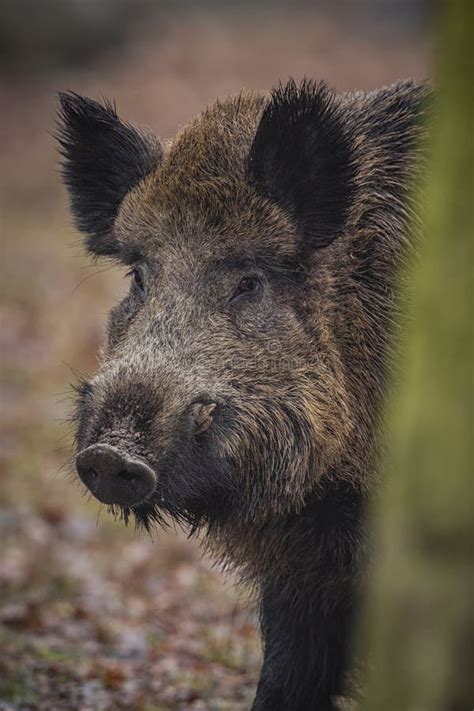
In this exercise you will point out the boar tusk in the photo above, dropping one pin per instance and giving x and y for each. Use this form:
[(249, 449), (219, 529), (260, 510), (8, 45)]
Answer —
[(203, 419)]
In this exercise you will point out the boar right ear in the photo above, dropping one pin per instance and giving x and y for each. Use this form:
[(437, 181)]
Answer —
[(301, 158), (103, 159)]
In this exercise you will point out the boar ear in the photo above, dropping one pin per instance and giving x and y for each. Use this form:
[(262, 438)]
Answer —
[(103, 158), (301, 158)]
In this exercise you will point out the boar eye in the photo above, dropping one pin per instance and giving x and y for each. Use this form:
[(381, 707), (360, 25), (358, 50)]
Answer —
[(137, 278), (248, 286)]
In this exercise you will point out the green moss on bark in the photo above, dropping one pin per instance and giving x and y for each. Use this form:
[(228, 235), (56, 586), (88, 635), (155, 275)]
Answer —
[(418, 627)]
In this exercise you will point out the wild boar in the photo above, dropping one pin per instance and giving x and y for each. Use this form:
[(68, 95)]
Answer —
[(242, 381)]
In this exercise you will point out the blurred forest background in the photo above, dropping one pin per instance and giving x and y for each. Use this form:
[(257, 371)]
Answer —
[(92, 616)]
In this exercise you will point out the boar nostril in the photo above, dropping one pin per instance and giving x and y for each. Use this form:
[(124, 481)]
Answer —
[(202, 416), (114, 477)]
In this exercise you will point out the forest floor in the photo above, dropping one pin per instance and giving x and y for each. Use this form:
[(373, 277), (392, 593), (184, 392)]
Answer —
[(93, 619)]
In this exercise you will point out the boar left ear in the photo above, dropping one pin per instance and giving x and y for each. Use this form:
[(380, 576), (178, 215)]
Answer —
[(103, 159), (301, 158)]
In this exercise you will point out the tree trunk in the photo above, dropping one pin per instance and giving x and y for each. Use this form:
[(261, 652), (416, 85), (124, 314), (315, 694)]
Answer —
[(417, 625)]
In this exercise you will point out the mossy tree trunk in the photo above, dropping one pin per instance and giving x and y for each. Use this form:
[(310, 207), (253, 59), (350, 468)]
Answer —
[(417, 627)]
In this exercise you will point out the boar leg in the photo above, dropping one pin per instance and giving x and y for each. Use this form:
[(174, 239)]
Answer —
[(305, 649)]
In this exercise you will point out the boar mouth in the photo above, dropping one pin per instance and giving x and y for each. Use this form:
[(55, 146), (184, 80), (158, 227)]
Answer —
[(114, 477)]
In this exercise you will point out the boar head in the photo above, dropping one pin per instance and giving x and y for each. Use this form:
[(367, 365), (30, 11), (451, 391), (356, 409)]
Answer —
[(222, 390)]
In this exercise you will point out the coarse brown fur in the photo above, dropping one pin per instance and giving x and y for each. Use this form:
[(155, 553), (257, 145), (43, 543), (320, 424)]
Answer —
[(306, 194)]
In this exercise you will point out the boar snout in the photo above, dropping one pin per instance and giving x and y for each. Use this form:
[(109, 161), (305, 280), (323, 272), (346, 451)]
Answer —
[(114, 477)]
